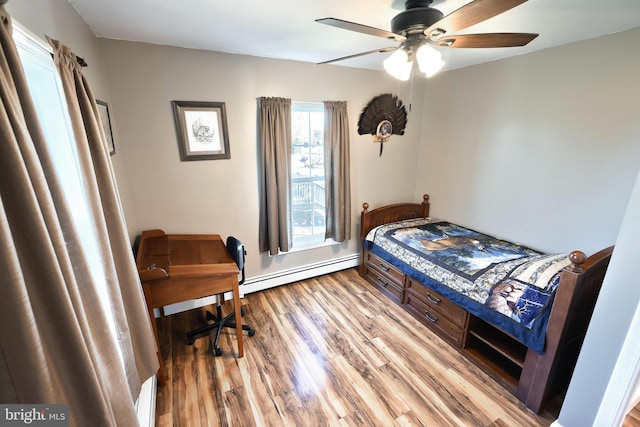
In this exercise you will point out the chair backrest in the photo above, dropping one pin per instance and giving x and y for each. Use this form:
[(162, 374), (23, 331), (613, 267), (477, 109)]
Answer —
[(237, 252), (136, 246)]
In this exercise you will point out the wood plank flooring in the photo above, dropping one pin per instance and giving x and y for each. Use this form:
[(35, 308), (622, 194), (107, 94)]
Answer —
[(632, 419), (328, 351)]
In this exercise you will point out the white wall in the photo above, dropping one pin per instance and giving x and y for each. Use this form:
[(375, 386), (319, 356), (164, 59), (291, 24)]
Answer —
[(222, 196), (541, 148)]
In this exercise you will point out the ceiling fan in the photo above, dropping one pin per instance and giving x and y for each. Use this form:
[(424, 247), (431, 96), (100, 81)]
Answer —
[(420, 28)]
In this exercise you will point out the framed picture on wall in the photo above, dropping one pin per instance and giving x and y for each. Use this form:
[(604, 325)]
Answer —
[(105, 119), (202, 130)]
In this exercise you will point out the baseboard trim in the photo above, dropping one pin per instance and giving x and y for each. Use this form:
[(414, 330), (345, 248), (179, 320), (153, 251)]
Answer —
[(260, 283)]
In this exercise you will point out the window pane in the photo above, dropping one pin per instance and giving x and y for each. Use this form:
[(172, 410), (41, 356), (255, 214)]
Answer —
[(307, 174)]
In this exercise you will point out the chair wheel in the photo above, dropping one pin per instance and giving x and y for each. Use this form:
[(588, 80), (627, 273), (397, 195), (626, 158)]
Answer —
[(217, 351), (251, 332)]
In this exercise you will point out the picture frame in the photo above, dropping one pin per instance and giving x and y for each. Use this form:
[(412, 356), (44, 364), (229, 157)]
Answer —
[(202, 130), (105, 120)]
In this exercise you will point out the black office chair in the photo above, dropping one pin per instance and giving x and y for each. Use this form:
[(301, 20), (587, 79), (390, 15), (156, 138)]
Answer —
[(237, 251)]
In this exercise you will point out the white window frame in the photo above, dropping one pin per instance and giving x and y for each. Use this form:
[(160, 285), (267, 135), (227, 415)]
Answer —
[(298, 244)]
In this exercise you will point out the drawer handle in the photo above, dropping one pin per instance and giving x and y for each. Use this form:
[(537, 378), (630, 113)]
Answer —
[(433, 299), (382, 282), (384, 267), (430, 316)]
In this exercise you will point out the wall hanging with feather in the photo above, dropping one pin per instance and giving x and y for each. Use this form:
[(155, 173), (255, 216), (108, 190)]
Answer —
[(383, 116)]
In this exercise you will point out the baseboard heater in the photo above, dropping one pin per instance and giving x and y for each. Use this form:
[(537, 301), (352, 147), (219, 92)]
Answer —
[(260, 283)]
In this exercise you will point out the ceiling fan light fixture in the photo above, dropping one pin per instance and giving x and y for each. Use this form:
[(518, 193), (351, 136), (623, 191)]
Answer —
[(420, 27), (429, 60), (399, 65)]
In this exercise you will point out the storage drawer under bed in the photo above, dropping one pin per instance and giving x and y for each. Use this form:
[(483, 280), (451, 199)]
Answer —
[(436, 311), (385, 268), (384, 276)]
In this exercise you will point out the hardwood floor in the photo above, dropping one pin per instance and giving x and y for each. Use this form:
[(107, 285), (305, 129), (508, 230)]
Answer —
[(328, 351), (632, 419)]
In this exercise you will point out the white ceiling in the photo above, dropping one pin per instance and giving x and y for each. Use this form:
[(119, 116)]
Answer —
[(285, 29)]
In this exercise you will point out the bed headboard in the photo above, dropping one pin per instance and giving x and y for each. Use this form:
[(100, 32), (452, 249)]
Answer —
[(391, 213)]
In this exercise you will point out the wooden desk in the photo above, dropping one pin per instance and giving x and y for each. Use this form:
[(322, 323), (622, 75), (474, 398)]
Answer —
[(180, 267)]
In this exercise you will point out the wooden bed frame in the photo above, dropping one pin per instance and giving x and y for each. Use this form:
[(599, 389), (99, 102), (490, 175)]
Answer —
[(532, 377)]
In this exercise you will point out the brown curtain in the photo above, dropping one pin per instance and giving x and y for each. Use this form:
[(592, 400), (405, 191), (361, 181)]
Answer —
[(336, 171), (275, 155), (123, 285), (54, 343)]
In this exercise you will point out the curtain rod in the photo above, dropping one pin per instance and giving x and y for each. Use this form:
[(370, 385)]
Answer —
[(79, 59)]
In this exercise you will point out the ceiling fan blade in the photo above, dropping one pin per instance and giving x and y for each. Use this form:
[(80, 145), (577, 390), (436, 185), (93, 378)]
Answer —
[(471, 14), (486, 40), (384, 49), (352, 26)]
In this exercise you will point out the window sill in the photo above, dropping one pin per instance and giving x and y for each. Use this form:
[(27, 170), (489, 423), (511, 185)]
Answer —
[(310, 246)]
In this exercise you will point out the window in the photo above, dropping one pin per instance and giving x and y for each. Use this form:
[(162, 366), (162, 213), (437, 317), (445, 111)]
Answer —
[(307, 174)]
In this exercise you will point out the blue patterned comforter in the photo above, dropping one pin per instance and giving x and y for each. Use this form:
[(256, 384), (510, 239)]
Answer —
[(508, 285)]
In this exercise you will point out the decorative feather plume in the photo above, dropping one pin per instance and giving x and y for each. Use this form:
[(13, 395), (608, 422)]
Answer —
[(383, 107)]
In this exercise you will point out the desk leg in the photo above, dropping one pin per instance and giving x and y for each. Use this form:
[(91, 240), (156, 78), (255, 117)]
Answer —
[(152, 318), (237, 309)]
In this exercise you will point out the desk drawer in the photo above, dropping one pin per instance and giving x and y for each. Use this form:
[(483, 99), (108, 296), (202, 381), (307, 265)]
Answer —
[(389, 287), (437, 303)]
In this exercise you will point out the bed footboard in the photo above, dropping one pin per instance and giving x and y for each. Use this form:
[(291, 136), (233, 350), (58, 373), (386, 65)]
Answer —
[(573, 306)]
